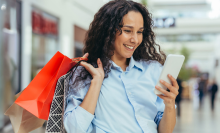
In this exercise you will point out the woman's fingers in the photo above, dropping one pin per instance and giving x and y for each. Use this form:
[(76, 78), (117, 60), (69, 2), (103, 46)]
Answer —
[(100, 67), (165, 92), (76, 60), (163, 97), (88, 67), (86, 55), (172, 89), (173, 80), (99, 63)]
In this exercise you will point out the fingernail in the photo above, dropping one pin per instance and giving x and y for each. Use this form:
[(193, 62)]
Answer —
[(161, 81)]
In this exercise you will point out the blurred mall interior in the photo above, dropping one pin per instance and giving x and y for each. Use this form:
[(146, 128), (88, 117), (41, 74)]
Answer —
[(188, 27)]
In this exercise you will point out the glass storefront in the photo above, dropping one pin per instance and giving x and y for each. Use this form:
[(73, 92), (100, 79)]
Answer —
[(10, 55), (44, 39), (79, 38)]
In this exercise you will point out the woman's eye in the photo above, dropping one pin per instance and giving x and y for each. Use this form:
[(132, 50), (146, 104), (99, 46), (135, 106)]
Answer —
[(140, 32), (127, 30)]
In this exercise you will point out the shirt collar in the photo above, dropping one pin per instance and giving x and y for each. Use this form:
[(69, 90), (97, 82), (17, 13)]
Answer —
[(114, 66), (132, 63), (136, 64)]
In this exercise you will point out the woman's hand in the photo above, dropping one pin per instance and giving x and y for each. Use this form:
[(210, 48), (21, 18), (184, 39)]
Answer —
[(169, 98), (97, 73)]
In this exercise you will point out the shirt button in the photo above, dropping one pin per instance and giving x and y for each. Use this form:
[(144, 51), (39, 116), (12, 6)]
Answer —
[(129, 93)]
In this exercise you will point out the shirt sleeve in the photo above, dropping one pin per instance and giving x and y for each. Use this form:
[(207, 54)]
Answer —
[(158, 117), (76, 118), (160, 109)]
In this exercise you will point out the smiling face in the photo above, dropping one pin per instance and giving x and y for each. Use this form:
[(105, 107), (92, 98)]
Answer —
[(131, 37)]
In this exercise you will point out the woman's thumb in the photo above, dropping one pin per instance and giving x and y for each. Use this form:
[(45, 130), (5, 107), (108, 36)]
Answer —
[(99, 63), (86, 55)]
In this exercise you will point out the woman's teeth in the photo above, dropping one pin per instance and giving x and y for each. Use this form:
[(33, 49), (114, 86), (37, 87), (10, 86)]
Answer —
[(128, 46)]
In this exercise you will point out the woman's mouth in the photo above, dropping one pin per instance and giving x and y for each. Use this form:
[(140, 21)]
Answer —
[(129, 47)]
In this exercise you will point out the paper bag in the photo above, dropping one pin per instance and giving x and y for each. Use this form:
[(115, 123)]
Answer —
[(22, 120)]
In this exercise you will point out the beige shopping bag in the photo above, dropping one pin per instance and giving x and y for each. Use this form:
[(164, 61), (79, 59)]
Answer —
[(22, 120)]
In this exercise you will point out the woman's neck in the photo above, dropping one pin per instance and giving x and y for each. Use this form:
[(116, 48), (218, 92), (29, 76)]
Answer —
[(120, 61)]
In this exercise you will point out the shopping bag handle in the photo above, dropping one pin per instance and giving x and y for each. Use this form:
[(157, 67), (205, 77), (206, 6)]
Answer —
[(77, 61)]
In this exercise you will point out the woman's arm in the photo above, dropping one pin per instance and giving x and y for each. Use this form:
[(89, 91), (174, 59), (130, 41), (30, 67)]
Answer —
[(78, 118), (91, 98), (168, 120)]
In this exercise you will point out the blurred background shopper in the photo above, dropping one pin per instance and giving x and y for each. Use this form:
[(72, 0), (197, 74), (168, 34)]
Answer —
[(201, 88), (178, 98), (214, 89)]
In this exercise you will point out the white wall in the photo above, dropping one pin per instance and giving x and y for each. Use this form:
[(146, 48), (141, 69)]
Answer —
[(191, 26), (179, 5)]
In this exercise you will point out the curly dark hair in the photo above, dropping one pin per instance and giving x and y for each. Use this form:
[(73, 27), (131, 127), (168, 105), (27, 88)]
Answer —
[(100, 38)]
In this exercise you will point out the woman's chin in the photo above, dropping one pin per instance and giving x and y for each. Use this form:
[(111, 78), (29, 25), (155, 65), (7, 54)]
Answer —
[(128, 55)]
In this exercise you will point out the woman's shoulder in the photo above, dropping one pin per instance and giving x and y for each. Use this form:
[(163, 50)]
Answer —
[(77, 70), (77, 75), (77, 84)]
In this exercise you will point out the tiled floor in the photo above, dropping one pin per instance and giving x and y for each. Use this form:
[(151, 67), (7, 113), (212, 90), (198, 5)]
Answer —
[(191, 120), (202, 120)]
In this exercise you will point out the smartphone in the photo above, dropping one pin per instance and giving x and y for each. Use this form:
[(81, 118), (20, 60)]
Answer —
[(171, 66)]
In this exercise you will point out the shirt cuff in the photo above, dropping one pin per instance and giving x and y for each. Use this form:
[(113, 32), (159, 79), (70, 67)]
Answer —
[(158, 118), (83, 117)]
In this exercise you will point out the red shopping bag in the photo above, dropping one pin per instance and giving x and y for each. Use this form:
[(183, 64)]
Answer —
[(38, 95)]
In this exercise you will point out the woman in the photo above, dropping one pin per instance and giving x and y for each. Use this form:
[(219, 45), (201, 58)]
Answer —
[(114, 90)]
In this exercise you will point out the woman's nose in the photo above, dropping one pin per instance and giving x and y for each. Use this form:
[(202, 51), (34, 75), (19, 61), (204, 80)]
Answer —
[(134, 38)]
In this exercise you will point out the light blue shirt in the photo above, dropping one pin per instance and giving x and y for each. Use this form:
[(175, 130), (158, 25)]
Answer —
[(126, 103)]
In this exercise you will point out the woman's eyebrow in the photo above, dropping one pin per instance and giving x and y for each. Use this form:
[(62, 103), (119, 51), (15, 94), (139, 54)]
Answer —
[(131, 26)]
